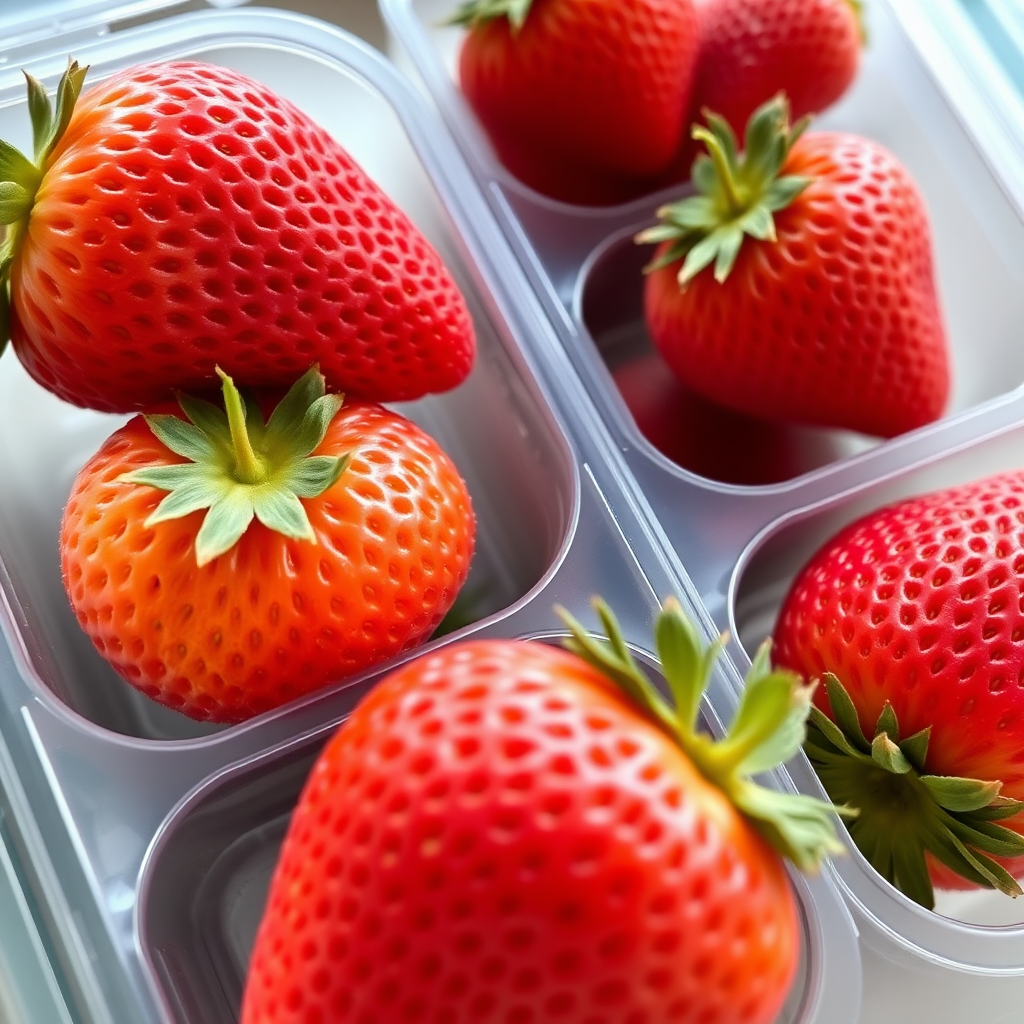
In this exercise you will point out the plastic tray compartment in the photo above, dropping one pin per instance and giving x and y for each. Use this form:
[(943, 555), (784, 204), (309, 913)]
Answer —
[(98, 769), (741, 544), (496, 426), (978, 932), (205, 882), (587, 268)]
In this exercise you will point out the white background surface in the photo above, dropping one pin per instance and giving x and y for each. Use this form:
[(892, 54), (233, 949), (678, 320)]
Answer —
[(896, 996)]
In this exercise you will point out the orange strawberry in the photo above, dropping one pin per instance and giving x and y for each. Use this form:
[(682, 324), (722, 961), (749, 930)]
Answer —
[(286, 555)]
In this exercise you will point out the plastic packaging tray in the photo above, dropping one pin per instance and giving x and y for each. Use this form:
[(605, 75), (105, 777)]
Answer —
[(931, 91), (29, 991), (146, 840)]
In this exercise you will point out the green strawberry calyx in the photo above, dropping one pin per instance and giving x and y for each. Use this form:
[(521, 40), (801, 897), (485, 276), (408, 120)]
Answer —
[(737, 193), (768, 728), (478, 12), (904, 810), (241, 468), (858, 16), (20, 177)]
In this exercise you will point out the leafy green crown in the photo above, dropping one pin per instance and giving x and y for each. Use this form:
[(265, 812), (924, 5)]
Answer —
[(768, 728), (906, 811), (478, 12), (20, 177), (737, 193), (240, 468)]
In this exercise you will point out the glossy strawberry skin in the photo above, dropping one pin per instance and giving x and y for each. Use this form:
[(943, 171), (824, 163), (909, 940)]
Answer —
[(838, 323), (594, 91), (190, 218), (274, 618), (497, 835), (752, 49), (922, 604)]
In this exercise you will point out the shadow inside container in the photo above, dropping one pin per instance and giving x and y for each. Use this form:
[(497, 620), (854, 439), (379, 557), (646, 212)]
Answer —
[(698, 435), (209, 883)]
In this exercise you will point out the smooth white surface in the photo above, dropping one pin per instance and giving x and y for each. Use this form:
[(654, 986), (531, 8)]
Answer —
[(893, 995)]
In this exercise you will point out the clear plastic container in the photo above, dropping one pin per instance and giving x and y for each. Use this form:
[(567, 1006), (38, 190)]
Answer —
[(146, 840), (29, 990), (573, 252), (942, 86)]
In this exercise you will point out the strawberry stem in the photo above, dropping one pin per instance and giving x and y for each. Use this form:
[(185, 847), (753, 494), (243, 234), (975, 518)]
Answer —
[(736, 194), (249, 467), (240, 468), (906, 812), (733, 201), (768, 728)]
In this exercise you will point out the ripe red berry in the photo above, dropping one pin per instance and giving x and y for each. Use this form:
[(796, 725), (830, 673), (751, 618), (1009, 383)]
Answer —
[(499, 832), (184, 217), (797, 285), (580, 98), (914, 614)]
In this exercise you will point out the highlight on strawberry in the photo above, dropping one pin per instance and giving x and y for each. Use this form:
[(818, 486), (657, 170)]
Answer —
[(509, 830), (179, 216), (225, 564), (913, 616), (797, 283)]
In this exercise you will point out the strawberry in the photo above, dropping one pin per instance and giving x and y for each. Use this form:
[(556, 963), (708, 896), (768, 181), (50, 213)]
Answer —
[(362, 537), (699, 435), (180, 217), (579, 96), (822, 306), (506, 831), (915, 617), (750, 50)]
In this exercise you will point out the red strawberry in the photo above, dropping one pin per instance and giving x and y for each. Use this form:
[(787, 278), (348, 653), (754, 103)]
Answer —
[(499, 833), (230, 595), (578, 94), (750, 50), (183, 217), (700, 436), (918, 611), (569, 182), (822, 307)]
